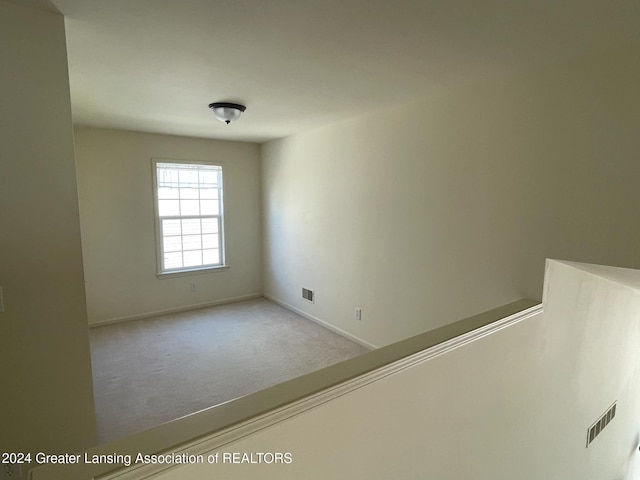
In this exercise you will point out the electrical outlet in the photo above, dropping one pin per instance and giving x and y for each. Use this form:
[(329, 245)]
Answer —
[(358, 314), (11, 471), (192, 286)]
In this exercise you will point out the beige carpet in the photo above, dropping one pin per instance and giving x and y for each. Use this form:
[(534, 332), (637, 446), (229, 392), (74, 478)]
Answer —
[(147, 372)]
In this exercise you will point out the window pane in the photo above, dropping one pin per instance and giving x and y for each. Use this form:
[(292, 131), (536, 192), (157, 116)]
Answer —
[(188, 193), (191, 226), (209, 225), (210, 241), (211, 257), (209, 177), (167, 176), (172, 244), (189, 207), (211, 193), (168, 208), (188, 177), (192, 259), (209, 207), (167, 193), (171, 227), (189, 190), (192, 242), (172, 260)]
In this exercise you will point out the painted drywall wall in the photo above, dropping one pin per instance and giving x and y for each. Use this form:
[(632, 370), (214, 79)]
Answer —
[(118, 230), (46, 392), (515, 404), (426, 213)]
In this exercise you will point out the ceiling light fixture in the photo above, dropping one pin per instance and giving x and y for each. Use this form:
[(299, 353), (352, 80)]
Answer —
[(227, 112)]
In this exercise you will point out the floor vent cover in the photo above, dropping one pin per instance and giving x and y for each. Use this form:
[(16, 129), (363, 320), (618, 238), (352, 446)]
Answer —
[(307, 294), (603, 421)]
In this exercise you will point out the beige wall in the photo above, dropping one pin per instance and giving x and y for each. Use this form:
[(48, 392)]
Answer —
[(514, 404), (46, 393), (118, 230), (426, 213)]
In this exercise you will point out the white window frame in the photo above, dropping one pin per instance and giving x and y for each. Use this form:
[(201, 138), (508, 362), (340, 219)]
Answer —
[(161, 271)]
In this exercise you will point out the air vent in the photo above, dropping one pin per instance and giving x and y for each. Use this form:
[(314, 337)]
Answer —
[(603, 421), (307, 295)]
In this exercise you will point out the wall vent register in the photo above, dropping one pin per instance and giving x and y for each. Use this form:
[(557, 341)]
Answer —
[(598, 426), (307, 295)]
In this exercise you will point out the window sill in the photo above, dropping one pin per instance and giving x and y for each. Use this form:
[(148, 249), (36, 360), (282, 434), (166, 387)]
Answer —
[(188, 273)]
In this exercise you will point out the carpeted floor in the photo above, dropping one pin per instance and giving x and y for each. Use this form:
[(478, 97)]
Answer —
[(147, 372)]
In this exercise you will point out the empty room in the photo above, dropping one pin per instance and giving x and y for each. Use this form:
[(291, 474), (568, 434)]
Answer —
[(209, 199), (173, 334)]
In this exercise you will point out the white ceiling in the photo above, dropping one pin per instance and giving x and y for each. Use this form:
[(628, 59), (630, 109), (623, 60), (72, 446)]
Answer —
[(155, 65)]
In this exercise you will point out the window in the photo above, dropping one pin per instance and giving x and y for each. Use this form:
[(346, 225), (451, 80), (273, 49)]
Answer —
[(189, 216)]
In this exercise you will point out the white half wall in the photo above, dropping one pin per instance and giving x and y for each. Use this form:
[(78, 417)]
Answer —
[(118, 229), (425, 213), (515, 404), (46, 394)]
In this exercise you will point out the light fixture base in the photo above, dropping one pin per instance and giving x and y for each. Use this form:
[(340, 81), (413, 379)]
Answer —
[(227, 112)]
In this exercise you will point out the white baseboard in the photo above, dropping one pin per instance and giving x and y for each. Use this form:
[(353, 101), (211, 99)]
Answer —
[(317, 320), (186, 308)]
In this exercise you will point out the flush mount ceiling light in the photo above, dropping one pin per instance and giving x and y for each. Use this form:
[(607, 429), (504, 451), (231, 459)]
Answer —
[(227, 112)]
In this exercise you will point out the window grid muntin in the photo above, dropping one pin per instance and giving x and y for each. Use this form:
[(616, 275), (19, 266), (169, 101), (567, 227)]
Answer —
[(179, 177), (200, 235)]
